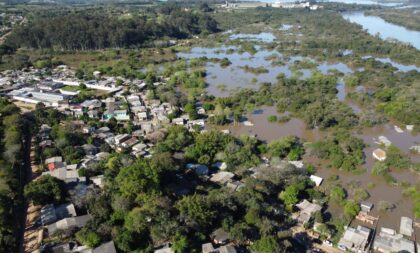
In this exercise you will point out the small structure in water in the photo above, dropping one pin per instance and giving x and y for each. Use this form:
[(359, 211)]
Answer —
[(398, 129), (379, 154)]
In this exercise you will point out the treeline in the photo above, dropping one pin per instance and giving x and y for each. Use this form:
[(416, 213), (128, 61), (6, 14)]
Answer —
[(12, 175), (86, 31)]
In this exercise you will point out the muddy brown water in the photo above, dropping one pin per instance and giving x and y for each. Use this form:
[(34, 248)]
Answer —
[(378, 189)]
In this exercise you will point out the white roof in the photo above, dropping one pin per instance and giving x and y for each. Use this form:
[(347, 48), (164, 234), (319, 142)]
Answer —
[(317, 180)]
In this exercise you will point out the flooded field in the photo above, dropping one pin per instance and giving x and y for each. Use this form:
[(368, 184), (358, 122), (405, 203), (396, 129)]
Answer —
[(255, 123), (236, 76)]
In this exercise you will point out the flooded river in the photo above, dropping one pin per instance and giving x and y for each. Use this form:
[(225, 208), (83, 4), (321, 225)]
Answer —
[(376, 25)]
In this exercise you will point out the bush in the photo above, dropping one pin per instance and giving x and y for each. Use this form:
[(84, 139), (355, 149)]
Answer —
[(272, 118)]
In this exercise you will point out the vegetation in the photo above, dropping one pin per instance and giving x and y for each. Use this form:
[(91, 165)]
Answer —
[(45, 190), (13, 128), (87, 30)]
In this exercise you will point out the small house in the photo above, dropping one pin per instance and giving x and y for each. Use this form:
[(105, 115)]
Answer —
[(317, 180), (406, 226), (366, 206), (220, 236)]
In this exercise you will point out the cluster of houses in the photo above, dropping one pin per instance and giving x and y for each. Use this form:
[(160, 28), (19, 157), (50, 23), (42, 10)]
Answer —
[(278, 4), (8, 20), (57, 218), (361, 239), (364, 238)]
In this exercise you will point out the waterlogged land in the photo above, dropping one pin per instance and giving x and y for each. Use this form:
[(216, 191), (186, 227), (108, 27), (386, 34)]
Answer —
[(267, 124), (265, 73)]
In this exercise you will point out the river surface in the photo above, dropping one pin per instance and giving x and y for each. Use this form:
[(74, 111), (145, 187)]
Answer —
[(376, 25)]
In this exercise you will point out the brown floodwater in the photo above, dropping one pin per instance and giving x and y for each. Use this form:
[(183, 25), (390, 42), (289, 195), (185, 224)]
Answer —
[(378, 189), (234, 77), (267, 131)]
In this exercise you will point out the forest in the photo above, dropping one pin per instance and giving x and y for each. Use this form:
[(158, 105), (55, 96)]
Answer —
[(87, 30)]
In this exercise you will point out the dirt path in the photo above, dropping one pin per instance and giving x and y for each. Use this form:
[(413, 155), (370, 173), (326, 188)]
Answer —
[(30, 235)]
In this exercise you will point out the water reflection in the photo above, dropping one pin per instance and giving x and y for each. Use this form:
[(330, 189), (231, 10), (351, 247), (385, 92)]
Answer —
[(376, 25)]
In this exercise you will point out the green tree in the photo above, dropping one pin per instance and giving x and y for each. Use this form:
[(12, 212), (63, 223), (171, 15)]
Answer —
[(267, 244), (337, 194), (195, 211), (351, 209), (88, 237), (45, 190), (140, 177)]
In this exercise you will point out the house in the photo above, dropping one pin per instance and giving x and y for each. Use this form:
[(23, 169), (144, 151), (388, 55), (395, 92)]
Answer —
[(66, 173), (307, 209), (383, 140), (235, 185), (199, 169), (91, 104), (317, 180), (108, 247), (90, 149), (406, 226), (130, 142), (71, 247), (98, 181), (227, 249), (121, 138), (88, 129), (388, 241), (366, 206), (355, 239), (379, 154), (139, 147), (93, 114), (67, 223), (222, 177), (165, 249), (46, 143), (220, 236), (208, 248), (178, 121), (54, 163), (142, 116), (220, 165)]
